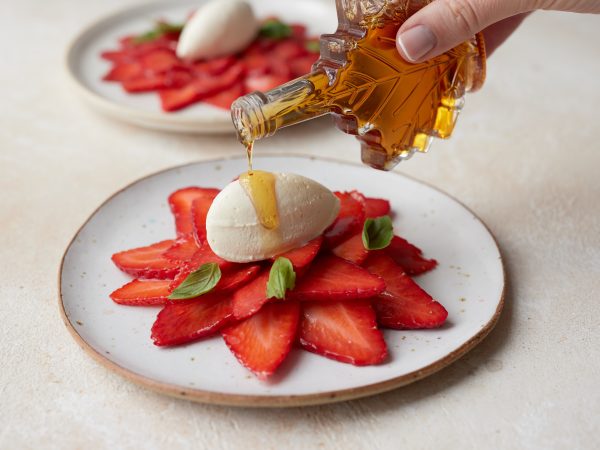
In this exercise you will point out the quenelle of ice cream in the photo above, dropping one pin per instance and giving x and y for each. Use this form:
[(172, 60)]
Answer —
[(235, 233), (218, 28)]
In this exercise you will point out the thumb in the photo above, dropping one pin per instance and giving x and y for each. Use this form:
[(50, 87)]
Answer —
[(443, 24)]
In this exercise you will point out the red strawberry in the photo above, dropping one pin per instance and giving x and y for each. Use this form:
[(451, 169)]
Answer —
[(303, 65), (303, 256), (262, 341), (403, 304), (344, 331), (147, 262), (199, 211), (173, 79), (376, 207), (181, 201), (142, 293), (160, 61), (205, 255), (264, 83), (215, 66), (188, 320), (331, 278), (349, 221), (200, 88), (352, 250), (237, 277), (250, 298), (409, 257), (288, 50), (182, 251), (226, 98), (125, 71), (256, 64), (298, 30)]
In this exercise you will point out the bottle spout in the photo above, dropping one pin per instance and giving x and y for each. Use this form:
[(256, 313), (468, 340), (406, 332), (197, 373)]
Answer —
[(258, 115)]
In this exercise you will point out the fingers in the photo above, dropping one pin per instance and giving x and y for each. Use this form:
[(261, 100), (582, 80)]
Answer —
[(444, 24)]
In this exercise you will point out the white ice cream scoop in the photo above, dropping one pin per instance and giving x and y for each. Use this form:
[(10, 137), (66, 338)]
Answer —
[(234, 232), (218, 28)]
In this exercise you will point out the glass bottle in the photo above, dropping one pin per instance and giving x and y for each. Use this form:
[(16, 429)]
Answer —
[(393, 107)]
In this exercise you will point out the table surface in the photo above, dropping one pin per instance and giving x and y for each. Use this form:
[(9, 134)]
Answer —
[(525, 158)]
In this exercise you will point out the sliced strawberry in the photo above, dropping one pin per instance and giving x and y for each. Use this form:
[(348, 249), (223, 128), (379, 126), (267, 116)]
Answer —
[(288, 50), (237, 277), (124, 72), (160, 61), (408, 256), (147, 262), (142, 293), (303, 65), (250, 298), (226, 98), (117, 56), (182, 251), (331, 278), (200, 88), (215, 66), (352, 250), (181, 201), (303, 256), (264, 83), (349, 221), (256, 64), (376, 207), (206, 255), (173, 79), (262, 341), (344, 331), (298, 30), (199, 211), (188, 320), (403, 304)]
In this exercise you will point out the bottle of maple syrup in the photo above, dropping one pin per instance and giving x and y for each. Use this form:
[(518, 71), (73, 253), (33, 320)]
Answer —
[(393, 107)]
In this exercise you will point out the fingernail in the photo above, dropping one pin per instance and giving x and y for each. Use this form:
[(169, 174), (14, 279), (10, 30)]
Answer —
[(416, 42)]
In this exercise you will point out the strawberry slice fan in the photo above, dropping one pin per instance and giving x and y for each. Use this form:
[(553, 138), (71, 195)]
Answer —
[(148, 63), (344, 293)]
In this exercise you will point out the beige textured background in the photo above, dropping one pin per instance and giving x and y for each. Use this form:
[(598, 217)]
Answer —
[(525, 157)]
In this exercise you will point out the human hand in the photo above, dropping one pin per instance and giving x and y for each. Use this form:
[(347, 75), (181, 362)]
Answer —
[(443, 24)]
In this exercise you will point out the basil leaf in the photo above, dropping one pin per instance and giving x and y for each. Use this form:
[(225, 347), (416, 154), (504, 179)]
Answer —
[(281, 278), (198, 282), (377, 233), (275, 29), (159, 30)]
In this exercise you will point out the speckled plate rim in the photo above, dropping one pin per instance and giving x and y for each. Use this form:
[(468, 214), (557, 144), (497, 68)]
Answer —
[(214, 125), (259, 401)]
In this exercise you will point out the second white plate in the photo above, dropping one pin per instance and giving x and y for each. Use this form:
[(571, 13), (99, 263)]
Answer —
[(86, 68)]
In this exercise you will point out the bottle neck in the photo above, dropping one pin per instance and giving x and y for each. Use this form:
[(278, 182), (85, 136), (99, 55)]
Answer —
[(258, 115)]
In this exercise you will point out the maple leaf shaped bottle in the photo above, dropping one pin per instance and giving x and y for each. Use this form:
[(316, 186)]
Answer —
[(393, 107)]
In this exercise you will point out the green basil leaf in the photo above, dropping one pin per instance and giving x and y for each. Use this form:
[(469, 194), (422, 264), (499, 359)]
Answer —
[(377, 233), (198, 282), (274, 29), (160, 29), (281, 278)]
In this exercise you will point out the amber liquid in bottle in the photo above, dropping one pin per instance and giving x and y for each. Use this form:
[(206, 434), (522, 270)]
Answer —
[(393, 107)]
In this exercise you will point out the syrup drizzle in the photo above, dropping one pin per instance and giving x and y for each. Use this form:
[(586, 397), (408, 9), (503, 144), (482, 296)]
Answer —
[(260, 187)]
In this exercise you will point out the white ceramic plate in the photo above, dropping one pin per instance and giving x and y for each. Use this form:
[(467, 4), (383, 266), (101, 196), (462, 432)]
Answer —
[(86, 68), (469, 282)]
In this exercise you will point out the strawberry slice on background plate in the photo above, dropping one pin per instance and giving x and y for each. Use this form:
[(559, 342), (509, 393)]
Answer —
[(344, 331), (143, 293), (188, 320), (403, 304), (147, 262), (331, 278), (376, 207), (301, 257), (261, 342), (199, 211), (247, 300)]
